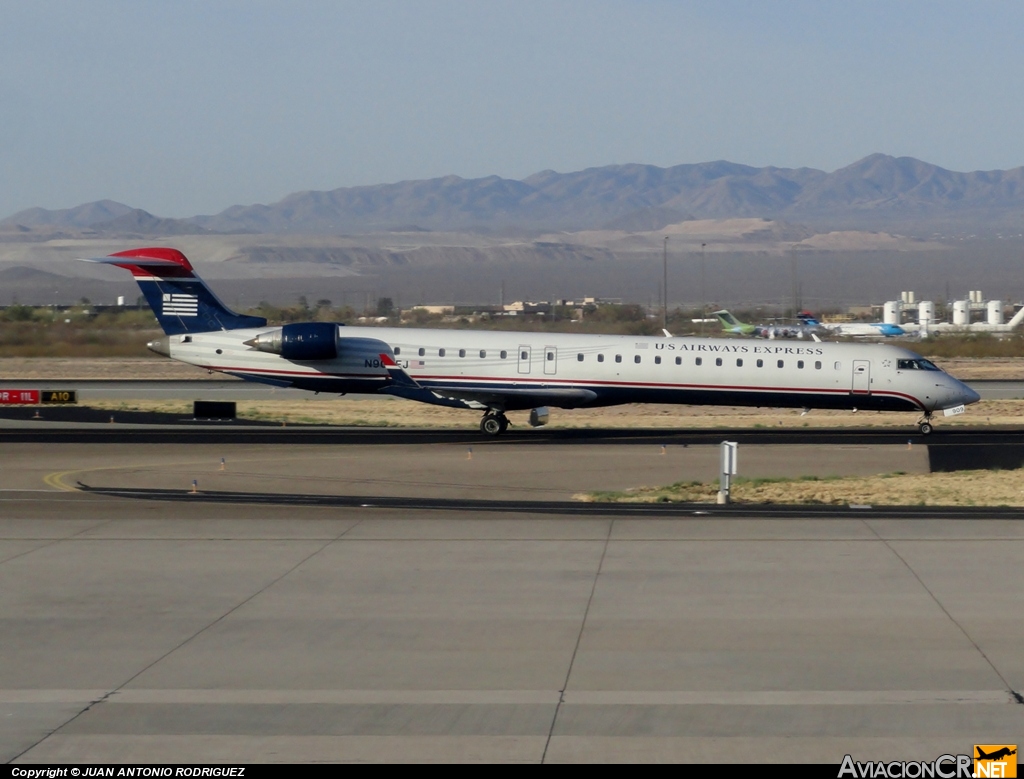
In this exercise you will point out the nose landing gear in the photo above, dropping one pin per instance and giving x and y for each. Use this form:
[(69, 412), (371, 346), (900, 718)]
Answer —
[(493, 424), (925, 424)]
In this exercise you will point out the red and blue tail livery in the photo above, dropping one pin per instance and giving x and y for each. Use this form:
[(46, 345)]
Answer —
[(180, 299)]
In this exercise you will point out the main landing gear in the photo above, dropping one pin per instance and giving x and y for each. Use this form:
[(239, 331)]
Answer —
[(925, 424), (493, 424)]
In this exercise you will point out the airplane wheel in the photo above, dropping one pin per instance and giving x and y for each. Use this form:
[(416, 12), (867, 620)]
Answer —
[(492, 425), (925, 428)]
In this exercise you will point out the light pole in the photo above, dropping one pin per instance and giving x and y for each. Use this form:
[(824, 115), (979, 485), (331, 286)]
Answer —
[(796, 294), (664, 286), (703, 291)]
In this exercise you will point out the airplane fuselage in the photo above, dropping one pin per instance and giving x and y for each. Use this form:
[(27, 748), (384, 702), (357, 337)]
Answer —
[(613, 369)]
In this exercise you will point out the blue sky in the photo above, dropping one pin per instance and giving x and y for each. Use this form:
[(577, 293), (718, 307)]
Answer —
[(185, 107)]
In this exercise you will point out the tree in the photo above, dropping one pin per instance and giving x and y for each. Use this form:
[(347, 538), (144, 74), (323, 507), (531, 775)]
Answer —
[(385, 307)]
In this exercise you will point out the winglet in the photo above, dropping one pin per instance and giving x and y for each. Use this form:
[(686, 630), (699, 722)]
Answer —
[(399, 377)]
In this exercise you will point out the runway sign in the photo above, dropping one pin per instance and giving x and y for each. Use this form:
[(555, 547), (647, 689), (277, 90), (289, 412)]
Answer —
[(60, 396), (18, 397)]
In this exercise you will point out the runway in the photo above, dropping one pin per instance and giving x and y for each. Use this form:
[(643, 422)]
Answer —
[(410, 602)]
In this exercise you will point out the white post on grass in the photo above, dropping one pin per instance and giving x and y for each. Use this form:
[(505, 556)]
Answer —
[(730, 450)]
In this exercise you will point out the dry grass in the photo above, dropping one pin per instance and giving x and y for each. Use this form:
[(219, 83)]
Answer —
[(963, 488)]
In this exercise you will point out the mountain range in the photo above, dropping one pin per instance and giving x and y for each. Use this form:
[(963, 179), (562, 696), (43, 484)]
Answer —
[(877, 192)]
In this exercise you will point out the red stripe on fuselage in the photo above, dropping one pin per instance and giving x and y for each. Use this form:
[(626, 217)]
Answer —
[(540, 384)]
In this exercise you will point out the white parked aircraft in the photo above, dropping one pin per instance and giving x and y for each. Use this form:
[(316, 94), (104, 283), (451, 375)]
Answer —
[(496, 372), (853, 329)]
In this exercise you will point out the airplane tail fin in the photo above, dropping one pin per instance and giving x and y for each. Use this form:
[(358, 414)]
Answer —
[(180, 299), (726, 319), (807, 318)]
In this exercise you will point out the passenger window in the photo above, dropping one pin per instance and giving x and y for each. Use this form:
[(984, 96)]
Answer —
[(679, 360), (600, 358), (483, 353), (524, 355), (422, 351), (739, 362), (781, 363), (817, 365), (760, 363), (504, 354), (618, 358), (636, 358), (799, 363), (440, 352), (838, 365), (551, 356), (657, 360), (398, 350), (462, 352), (579, 357), (718, 361), (699, 360)]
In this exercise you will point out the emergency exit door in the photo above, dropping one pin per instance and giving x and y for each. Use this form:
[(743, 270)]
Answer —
[(550, 360), (524, 359)]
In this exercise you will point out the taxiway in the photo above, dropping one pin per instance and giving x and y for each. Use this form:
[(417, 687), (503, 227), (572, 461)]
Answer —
[(492, 624)]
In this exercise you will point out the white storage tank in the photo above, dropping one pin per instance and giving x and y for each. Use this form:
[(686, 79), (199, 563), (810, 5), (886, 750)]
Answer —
[(961, 312), (995, 312), (926, 312), (891, 312)]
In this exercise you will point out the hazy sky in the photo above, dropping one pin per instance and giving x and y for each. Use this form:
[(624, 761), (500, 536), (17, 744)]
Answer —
[(184, 108)]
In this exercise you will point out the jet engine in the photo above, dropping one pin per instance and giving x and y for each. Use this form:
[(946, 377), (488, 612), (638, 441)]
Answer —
[(300, 341)]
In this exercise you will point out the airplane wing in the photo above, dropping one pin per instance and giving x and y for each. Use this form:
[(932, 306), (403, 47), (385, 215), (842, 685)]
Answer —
[(516, 398), (509, 398)]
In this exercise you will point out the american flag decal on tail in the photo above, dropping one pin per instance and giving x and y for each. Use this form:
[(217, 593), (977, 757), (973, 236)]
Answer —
[(176, 304)]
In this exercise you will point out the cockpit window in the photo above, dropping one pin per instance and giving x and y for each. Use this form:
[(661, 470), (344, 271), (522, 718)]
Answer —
[(919, 364)]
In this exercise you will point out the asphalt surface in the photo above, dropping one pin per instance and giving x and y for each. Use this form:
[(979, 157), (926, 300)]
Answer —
[(423, 600)]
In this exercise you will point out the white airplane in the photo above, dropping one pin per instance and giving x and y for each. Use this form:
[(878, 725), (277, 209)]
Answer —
[(853, 329), (497, 372)]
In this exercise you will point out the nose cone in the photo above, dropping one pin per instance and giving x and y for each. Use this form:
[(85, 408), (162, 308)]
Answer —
[(160, 346), (969, 395)]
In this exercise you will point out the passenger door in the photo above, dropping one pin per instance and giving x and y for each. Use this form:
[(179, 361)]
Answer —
[(861, 377)]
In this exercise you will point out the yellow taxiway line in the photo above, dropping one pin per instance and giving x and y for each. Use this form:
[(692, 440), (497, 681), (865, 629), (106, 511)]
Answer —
[(54, 480)]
